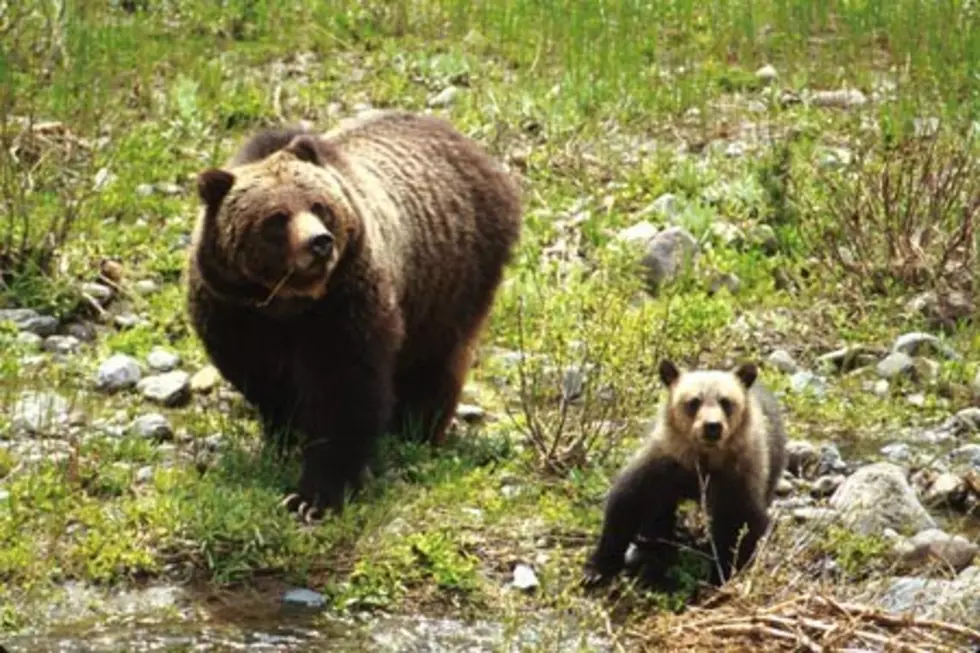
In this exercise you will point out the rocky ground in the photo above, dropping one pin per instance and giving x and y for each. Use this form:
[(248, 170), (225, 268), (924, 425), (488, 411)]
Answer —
[(132, 478)]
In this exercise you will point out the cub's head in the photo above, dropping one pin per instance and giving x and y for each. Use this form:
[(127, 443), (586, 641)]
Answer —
[(272, 228), (707, 406)]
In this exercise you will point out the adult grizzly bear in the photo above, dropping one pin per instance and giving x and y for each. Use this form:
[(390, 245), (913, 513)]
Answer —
[(339, 281)]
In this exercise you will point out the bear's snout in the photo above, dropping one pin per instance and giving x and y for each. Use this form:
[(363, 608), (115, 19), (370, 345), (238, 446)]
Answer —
[(712, 431), (320, 246)]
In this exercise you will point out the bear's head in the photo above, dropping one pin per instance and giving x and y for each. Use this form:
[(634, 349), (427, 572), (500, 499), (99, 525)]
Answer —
[(707, 407), (273, 228)]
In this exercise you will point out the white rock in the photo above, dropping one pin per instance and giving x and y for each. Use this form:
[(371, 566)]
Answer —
[(524, 577), (162, 360)]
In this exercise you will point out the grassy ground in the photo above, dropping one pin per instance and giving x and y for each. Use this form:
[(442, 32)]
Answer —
[(600, 108)]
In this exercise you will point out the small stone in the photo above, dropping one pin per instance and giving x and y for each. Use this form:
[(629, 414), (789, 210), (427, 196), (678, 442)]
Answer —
[(666, 206), (29, 340), (145, 287), (923, 344), (967, 454), (835, 158), (144, 474), (42, 325), (641, 233), (917, 399), (118, 372), (804, 381), (784, 487), (152, 426), (783, 361), (801, 455), (167, 389), (84, 331), (304, 598), (169, 189), (767, 74), (667, 253), (897, 452), (162, 360), (728, 281), (144, 190), (17, 316), (946, 490), (933, 544), (846, 359), (470, 414), (524, 578), (126, 320), (827, 485), (36, 412), (764, 237), (881, 387), (735, 150), (842, 99), (445, 97), (877, 497), (205, 379), (61, 344), (896, 364), (829, 460), (97, 291)]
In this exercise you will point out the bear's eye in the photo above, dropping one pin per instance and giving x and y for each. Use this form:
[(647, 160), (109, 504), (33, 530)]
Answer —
[(726, 405), (274, 224), (692, 406), (319, 210)]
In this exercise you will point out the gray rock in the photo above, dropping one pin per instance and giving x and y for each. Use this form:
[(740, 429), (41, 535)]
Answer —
[(956, 600), (964, 422), (144, 474), (896, 364), (877, 497), (934, 545), (152, 426), (846, 359), (829, 460), (84, 331), (118, 372), (29, 320), (146, 287), (641, 233), (804, 381), (968, 454), (801, 455), (783, 361), (841, 99), (30, 340), (37, 412), (470, 414), (668, 253), (897, 452), (827, 484), (162, 360), (524, 577), (923, 344), (946, 490), (97, 291), (445, 97), (304, 598), (61, 344), (167, 389)]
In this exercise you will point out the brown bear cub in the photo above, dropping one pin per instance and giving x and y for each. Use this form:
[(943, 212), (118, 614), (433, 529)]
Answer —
[(717, 425), (340, 280)]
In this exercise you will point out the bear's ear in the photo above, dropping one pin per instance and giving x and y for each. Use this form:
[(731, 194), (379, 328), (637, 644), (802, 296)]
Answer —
[(213, 184), (668, 372), (306, 148), (747, 374)]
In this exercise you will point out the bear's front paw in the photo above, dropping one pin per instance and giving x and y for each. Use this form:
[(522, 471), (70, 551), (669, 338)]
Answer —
[(312, 500), (595, 574)]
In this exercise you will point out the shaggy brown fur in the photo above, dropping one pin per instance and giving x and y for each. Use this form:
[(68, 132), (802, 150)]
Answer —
[(340, 280), (725, 426)]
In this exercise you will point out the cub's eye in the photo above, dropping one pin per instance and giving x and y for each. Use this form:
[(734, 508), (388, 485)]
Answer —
[(692, 406), (274, 224), (726, 405)]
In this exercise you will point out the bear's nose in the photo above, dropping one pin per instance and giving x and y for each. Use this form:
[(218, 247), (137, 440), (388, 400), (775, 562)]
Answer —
[(320, 246), (712, 431)]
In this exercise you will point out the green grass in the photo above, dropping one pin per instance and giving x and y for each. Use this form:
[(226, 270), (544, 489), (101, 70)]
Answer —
[(601, 107)]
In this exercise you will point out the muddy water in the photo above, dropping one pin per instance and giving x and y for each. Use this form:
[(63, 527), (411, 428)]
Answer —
[(169, 619)]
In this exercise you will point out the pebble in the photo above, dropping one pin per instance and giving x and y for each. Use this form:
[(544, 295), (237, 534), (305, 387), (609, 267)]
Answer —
[(126, 320), (894, 365), (305, 598), (524, 577), (640, 233), (445, 97), (934, 544), (946, 490), (667, 254), (144, 474), (29, 320), (162, 360), (897, 452), (842, 99), (35, 412), (829, 460), (118, 372), (61, 344), (470, 414), (205, 379), (767, 74), (152, 426), (81, 330), (97, 291), (30, 340), (783, 361), (167, 389), (145, 287)]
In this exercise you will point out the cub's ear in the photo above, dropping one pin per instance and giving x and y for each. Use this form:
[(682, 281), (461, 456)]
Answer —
[(213, 184), (747, 374), (306, 148), (668, 372)]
